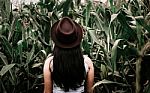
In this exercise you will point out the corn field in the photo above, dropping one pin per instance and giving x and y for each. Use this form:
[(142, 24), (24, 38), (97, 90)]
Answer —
[(116, 38)]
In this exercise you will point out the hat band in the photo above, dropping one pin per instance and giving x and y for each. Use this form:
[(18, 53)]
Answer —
[(66, 39)]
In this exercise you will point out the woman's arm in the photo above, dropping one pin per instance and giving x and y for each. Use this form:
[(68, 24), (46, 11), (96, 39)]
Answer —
[(90, 75), (48, 85)]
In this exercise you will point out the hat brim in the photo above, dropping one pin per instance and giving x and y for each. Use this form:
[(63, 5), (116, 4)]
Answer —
[(70, 45)]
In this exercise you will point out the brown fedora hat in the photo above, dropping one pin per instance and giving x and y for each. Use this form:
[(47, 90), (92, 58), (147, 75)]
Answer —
[(66, 33)]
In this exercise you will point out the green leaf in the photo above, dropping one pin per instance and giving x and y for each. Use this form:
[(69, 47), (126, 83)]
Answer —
[(4, 58), (88, 8), (6, 68), (37, 65), (139, 34), (113, 17), (1, 29), (40, 76), (7, 45), (99, 23), (127, 31), (104, 72), (66, 7), (141, 21), (112, 6), (41, 51), (108, 82), (114, 54), (92, 33), (30, 55), (51, 6), (86, 46), (12, 28)]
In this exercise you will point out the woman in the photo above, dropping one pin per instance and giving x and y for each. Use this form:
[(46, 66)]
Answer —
[(67, 70)]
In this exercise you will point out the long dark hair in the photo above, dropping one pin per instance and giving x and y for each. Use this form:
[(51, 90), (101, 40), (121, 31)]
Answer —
[(68, 67)]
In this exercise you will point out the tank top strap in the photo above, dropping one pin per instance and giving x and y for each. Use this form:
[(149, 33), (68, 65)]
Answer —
[(86, 67), (50, 63), (85, 64)]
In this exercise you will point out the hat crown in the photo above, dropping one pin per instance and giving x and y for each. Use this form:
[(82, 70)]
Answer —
[(66, 26), (66, 33)]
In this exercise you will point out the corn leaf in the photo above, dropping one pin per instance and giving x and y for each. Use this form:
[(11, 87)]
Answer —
[(6, 68)]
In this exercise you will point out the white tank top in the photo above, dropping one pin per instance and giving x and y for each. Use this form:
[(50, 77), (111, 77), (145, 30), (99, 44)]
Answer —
[(57, 89)]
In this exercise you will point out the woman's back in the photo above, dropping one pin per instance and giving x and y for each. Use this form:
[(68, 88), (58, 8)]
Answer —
[(57, 89)]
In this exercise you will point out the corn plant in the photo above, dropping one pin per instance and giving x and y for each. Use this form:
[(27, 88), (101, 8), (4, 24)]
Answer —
[(114, 36)]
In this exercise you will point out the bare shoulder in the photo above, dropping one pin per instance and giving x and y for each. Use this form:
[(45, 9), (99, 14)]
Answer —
[(88, 61), (47, 63), (48, 59)]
